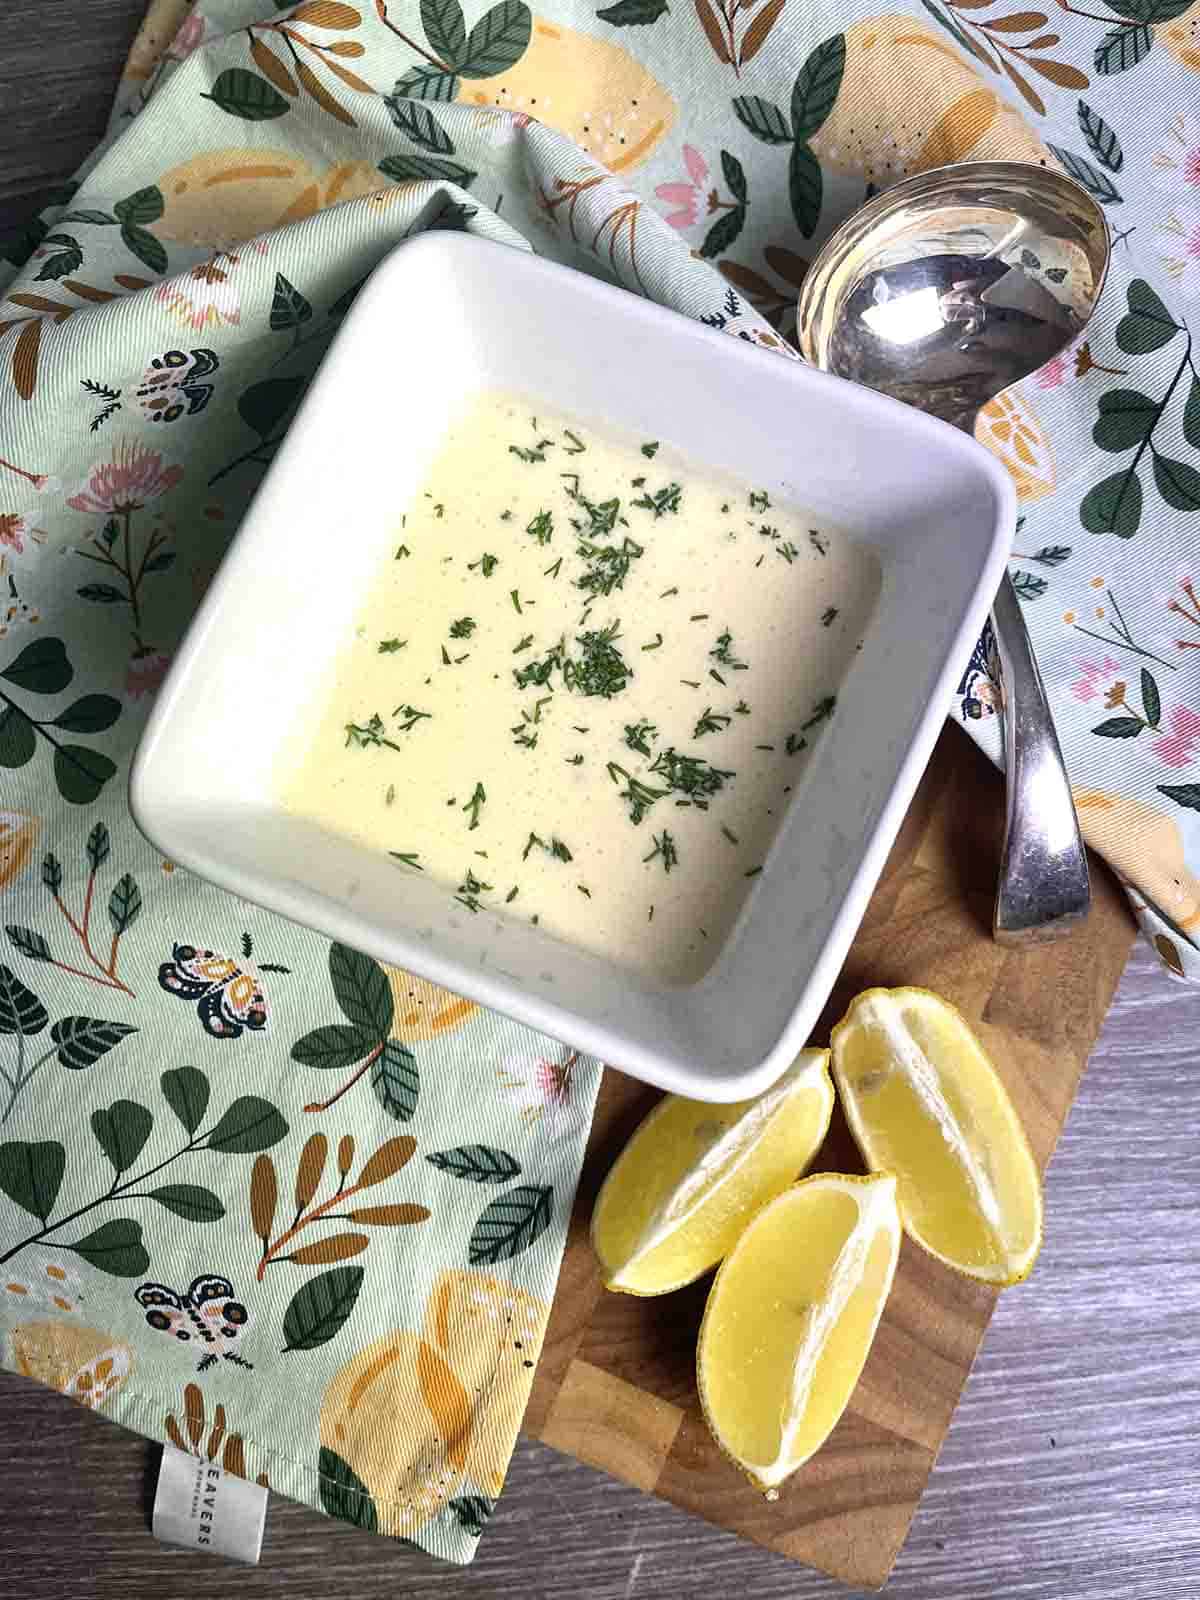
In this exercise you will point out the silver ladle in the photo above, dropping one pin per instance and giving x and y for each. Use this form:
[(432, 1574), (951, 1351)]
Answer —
[(942, 291)]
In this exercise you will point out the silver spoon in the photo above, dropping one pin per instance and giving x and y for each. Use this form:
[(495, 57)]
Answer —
[(943, 291)]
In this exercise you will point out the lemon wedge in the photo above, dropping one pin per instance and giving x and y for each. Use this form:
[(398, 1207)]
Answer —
[(923, 1100), (790, 1320), (693, 1174)]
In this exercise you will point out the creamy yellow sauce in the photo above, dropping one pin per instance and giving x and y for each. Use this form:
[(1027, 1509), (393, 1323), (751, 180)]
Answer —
[(611, 765)]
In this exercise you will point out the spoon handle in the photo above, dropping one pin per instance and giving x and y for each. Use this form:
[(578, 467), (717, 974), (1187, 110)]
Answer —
[(1043, 890)]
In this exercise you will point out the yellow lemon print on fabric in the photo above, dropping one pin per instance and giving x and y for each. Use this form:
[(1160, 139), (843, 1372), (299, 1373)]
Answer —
[(490, 1333), (1008, 427), (590, 89), (423, 1010), (1182, 37), (83, 1363), (18, 835), (224, 196), (909, 102), (1145, 847), (400, 1421)]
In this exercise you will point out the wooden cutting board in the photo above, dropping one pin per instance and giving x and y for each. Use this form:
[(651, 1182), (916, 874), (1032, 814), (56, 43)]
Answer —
[(616, 1382)]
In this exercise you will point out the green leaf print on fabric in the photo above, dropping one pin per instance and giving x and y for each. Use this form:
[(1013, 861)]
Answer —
[(477, 1163), (633, 13), (445, 28), (361, 990), (407, 168), (186, 1091), (805, 189), (191, 1201), (1183, 794), (32, 1174), (123, 1130), (114, 1247), (471, 1511), (318, 1310), (336, 1045), (497, 41), (764, 120), (289, 308), (1122, 48), (396, 1081), (510, 1224), (78, 1042), (1102, 141), (244, 94), (816, 87), (1096, 183), (41, 668), (21, 1011), (424, 83), (420, 124), (124, 907), (1128, 419), (343, 1493)]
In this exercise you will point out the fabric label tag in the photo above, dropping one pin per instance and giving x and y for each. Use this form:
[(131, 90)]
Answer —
[(200, 1505)]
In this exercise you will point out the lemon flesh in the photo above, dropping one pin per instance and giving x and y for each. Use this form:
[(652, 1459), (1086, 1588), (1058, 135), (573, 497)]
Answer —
[(790, 1320), (923, 1101), (693, 1174)]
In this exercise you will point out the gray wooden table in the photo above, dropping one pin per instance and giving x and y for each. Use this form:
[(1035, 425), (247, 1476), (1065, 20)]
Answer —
[(1073, 1466)]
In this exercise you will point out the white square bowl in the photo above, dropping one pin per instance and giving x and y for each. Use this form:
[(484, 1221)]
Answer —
[(935, 507)]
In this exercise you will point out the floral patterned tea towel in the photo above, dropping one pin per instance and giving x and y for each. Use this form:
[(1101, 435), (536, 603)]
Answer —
[(260, 1196)]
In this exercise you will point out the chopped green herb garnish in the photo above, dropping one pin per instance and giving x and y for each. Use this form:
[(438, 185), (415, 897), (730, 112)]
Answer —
[(725, 508), (729, 834), (650, 450), (638, 482), (409, 858), (538, 673), (602, 518), (753, 873), (691, 776), (663, 501), (515, 596), (759, 500), (362, 735), (822, 711), (506, 516), (411, 717), (667, 592), (664, 847), (470, 889), (478, 797), (818, 544), (541, 527), (445, 656), (764, 747), (575, 761), (522, 643), (713, 673), (722, 652), (828, 616), (650, 915), (523, 736), (576, 446), (553, 570), (487, 564), (439, 510), (462, 628), (692, 683), (601, 670), (639, 795), (787, 550), (742, 709), (511, 895), (637, 735), (795, 745), (401, 552), (767, 531), (610, 565), (655, 643), (711, 722), (583, 889), (388, 647), (700, 616), (529, 456), (389, 794)]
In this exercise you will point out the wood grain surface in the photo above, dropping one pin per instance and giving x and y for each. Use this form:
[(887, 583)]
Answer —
[(1072, 1468), (616, 1383)]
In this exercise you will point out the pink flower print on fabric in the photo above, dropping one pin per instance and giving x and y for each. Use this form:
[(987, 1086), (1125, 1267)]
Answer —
[(1092, 675), (685, 194), (145, 673), (1178, 748), (135, 476)]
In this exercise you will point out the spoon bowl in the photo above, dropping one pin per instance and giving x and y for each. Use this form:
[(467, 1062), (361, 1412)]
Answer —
[(941, 292)]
